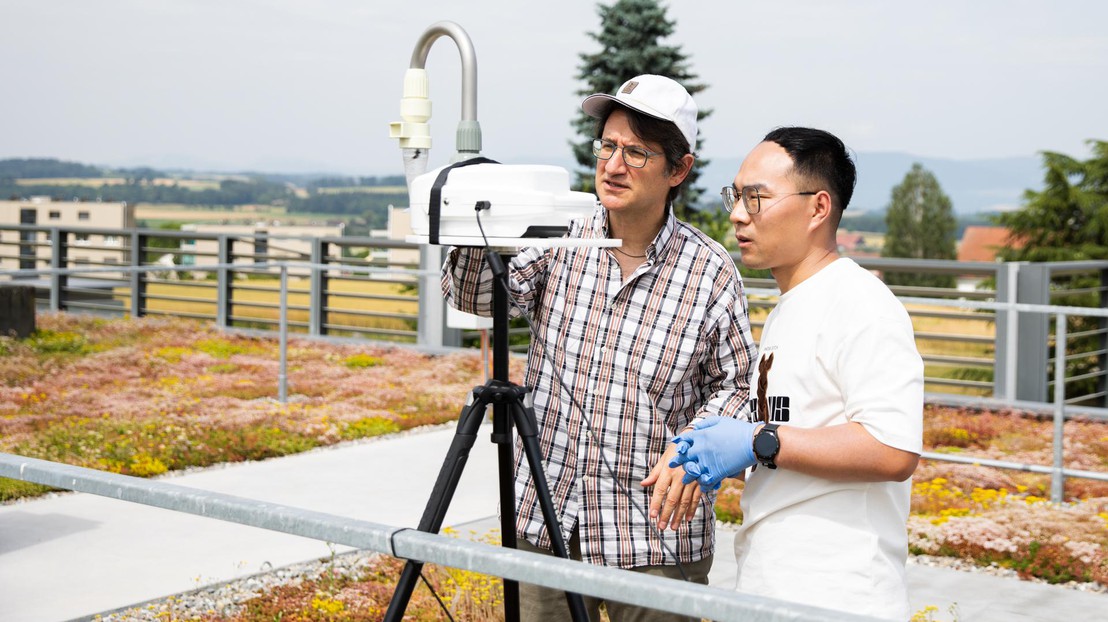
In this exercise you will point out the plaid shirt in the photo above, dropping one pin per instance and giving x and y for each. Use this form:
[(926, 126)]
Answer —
[(644, 356)]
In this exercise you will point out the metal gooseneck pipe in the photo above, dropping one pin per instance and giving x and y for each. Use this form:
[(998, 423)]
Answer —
[(468, 137), (413, 130), (469, 61)]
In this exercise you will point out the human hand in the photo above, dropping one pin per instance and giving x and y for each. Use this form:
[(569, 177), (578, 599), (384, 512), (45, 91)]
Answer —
[(716, 448), (672, 500)]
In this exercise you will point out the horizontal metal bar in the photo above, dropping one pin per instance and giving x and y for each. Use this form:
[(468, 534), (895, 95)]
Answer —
[(357, 296), (1092, 374), (993, 403), (184, 314), (954, 382), (1082, 398), (1009, 306), (963, 316), (1016, 466), (957, 360), (374, 314), (164, 298), (954, 337), (92, 306), (370, 331), (614, 583), (187, 284), (1077, 291)]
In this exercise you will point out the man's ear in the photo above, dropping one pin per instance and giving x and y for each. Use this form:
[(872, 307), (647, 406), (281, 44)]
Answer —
[(824, 211), (681, 171)]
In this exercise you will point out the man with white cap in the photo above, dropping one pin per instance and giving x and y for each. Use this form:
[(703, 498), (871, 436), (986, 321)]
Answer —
[(632, 344)]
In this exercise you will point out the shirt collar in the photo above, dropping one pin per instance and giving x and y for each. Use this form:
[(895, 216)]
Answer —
[(655, 248)]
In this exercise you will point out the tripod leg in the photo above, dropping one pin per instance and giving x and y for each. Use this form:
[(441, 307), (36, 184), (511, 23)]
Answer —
[(445, 486), (528, 435), (502, 437)]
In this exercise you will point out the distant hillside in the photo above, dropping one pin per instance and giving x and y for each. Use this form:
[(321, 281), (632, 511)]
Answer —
[(973, 185), (42, 168)]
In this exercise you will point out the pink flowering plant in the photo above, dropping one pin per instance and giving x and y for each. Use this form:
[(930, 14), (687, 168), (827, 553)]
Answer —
[(150, 395)]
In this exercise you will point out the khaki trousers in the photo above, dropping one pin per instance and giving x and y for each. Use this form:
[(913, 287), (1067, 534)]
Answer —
[(543, 604)]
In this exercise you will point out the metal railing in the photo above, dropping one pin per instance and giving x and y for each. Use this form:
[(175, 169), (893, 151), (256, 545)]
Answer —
[(605, 582), (360, 287), (231, 279), (1061, 407), (1019, 354)]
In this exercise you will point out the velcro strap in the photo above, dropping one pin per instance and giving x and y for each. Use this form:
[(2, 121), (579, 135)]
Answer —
[(434, 208)]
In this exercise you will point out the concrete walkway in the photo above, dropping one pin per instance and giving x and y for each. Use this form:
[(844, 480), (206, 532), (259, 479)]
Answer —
[(72, 556)]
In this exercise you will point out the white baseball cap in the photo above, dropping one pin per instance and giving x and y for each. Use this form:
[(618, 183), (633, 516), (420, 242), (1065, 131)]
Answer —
[(655, 96)]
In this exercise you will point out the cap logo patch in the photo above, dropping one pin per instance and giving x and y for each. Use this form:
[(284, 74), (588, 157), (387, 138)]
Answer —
[(630, 86)]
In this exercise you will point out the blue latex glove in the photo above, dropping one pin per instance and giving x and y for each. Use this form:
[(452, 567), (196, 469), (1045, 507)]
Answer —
[(716, 448)]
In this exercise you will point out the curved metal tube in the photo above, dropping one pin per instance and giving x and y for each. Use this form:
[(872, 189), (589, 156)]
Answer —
[(469, 61)]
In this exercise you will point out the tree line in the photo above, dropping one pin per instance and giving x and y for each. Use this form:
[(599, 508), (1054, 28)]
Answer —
[(138, 187)]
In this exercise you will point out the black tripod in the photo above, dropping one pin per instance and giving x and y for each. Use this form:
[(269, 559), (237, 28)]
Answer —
[(510, 403)]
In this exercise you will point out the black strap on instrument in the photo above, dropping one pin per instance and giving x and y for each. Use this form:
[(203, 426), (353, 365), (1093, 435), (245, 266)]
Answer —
[(434, 208)]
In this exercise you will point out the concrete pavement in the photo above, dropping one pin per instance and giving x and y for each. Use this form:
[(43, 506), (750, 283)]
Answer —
[(72, 556)]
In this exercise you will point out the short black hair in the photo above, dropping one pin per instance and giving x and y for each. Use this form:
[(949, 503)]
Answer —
[(654, 130), (819, 156)]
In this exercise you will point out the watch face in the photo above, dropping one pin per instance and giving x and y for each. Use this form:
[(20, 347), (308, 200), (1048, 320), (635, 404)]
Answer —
[(766, 445)]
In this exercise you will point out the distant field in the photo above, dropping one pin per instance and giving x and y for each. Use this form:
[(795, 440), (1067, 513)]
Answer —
[(349, 303), (97, 182), (364, 189), (152, 215)]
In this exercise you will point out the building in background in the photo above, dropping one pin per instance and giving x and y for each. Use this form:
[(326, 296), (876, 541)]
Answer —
[(982, 243), (83, 247)]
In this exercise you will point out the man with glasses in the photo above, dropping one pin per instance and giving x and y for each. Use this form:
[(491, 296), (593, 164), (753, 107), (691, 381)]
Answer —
[(835, 430), (633, 344)]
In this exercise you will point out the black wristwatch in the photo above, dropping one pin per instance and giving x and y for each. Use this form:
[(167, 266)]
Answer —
[(766, 445)]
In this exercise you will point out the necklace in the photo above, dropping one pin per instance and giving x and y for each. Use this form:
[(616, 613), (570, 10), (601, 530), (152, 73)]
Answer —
[(626, 254)]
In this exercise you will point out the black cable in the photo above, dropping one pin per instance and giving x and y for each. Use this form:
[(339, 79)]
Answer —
[(436, 595), (502, 279), (392, 551)]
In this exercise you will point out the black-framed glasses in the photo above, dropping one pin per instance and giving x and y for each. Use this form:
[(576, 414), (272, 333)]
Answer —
[(635, 157), (752, 199)]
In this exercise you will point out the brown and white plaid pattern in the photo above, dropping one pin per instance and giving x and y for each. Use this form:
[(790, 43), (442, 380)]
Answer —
[(643, 357)]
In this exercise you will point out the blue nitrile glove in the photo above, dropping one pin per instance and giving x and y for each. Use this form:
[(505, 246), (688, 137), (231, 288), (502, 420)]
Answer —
[(716, 448)]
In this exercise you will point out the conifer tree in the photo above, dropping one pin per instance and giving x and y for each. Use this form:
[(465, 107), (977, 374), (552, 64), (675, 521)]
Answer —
[(1068, 219), (630, 38), (920, 225)]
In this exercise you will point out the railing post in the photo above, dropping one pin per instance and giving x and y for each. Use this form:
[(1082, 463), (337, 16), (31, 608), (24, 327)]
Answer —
[(317, 289), (282, 375), (224, 275), (1102, 360), (1057, 479), (138, 277), (1033, 287), (1007, 326), (58, 260), (432, 330)]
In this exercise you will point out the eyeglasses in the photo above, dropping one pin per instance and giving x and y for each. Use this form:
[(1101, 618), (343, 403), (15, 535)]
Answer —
[(635, 157), (751, 200)]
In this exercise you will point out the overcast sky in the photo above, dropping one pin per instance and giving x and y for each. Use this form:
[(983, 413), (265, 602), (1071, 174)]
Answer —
[(303, 85)]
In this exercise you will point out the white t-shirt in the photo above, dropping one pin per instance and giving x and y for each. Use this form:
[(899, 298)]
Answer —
[(843, 350)]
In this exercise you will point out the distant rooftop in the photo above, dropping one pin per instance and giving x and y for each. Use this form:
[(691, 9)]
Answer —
[(980, 243)]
